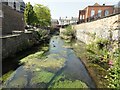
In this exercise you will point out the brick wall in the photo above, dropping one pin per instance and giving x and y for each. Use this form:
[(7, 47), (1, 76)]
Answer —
[(11, 20), (109, 8)]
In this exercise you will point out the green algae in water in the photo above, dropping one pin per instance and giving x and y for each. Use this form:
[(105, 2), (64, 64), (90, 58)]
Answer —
[(37, 55), (32, 56), (6, 76), (41, 77), (53, 63), (70, 84), (62, 82), (45, 48), (19, 82)]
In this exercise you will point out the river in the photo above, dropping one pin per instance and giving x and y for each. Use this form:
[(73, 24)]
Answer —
[(60, 64)]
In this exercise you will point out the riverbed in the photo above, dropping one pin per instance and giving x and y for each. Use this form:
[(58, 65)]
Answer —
[(57, 68)]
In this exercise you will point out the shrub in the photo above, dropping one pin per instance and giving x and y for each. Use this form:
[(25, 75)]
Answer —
[(69, 31), (98, 52), (42, 34), (114, 71)]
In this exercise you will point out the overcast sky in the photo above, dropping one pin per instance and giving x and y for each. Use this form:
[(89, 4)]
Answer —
[(69, 8)]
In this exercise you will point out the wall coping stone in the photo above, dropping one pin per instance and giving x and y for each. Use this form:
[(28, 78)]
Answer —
[(9, 36)]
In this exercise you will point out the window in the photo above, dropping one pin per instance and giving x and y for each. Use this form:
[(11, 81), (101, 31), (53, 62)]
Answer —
[(106, 12), (15, 5), (92, 13), (99, 13), (1, 14)]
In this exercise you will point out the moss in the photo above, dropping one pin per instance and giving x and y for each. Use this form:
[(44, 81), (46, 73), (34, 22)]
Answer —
[(5, 76), (69, 84), (38, 55), (45, 48), (62, 82), (41, 77), (52, 63), (32, 56)]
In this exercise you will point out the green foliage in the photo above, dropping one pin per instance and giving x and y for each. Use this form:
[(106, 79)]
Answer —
[(98, 52), (101, 43), (42, 34), (29, 14), (43, 15), (69, 31), (114, 71), (37, 15)]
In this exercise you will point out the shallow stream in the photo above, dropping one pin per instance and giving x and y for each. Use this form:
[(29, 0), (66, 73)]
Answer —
[(59, 65)]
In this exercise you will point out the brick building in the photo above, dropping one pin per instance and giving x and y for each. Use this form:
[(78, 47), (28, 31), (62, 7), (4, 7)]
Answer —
[(11, 17), (95, 10)]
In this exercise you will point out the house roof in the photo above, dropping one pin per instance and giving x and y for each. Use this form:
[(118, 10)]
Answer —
[(96, 4)]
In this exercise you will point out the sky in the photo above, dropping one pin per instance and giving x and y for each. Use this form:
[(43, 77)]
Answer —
[(69, 8)]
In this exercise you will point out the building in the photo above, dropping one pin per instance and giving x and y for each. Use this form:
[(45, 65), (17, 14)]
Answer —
[(17, 5), (95, 11), (67, 20), (11, 17)]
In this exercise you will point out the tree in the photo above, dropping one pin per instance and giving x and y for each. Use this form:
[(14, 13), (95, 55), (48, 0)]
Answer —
[(29, 15), (43, 15)]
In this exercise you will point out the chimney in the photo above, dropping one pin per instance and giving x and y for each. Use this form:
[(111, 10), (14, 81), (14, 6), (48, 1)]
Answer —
[(104, 4)]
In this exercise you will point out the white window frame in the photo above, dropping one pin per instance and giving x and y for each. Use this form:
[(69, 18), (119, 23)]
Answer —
[(92, 13), (99, 13), (1, 13), (106, 12)]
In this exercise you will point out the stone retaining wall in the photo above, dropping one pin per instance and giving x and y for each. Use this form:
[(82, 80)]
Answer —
[(107, 28), (14, 43)]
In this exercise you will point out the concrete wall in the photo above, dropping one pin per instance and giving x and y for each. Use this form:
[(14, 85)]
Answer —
[(106, 28), (18, 42), (11, 20)]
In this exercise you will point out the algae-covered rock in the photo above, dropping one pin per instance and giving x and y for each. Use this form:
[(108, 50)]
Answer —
[(5, 76), (62, 82), (52, 63), (70, 84), (32, 57), (41, 78)]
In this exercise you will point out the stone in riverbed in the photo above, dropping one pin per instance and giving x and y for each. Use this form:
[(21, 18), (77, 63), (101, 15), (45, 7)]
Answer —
[(41, 78)]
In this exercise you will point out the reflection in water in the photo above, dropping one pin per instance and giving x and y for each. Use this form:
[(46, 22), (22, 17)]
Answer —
[(74, 69)]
